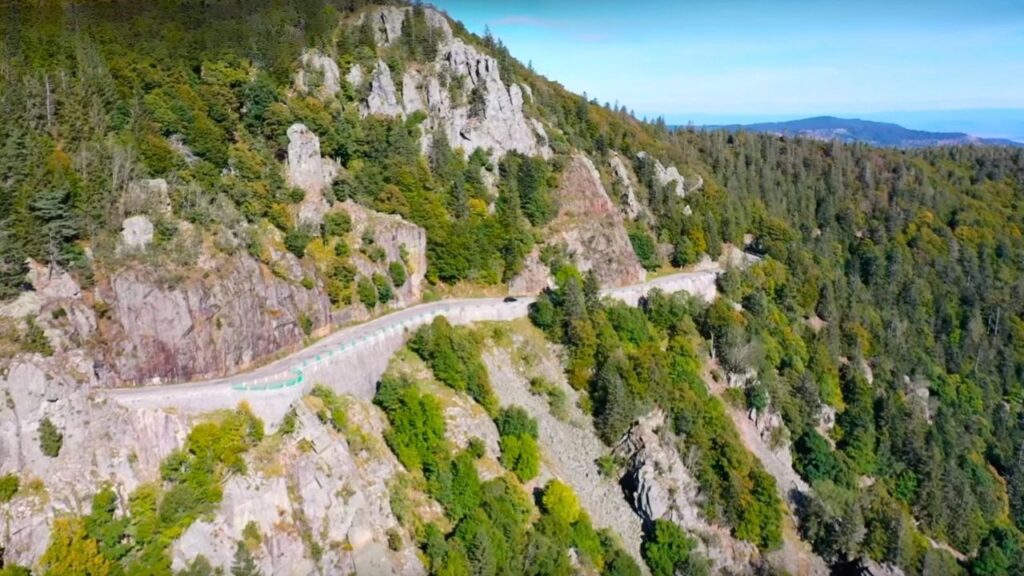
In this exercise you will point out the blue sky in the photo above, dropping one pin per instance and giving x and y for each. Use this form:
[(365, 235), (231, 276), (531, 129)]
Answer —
[(712, 61)]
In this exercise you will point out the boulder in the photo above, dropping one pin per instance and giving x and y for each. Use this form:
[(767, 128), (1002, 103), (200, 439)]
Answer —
[(136, 233)]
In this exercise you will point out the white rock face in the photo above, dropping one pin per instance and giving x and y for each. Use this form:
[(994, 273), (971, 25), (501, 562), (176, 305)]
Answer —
[(336, 494), (52, 283), (383, 99), (533, 279), (570, 448), (630, 205), (500, 125), (355, 76), (305, 169), (412, 99), (394, 235), (309, 171), (136, 233), (387, 22), (666, 176), (316, 64), (102, 442)]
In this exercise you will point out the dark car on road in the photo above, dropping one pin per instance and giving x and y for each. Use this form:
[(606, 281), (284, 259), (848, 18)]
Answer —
[(510, 299)]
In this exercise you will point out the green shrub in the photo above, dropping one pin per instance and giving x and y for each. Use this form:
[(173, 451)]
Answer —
[(397, 273), (515, 421), (560, 502), (416, 435), (50, 438), (367, 293), (521, 456), (668, 551), (337, 224), (476, 448), (384, 290), (394, 539), (333, 411), (454, 356), (645, 248), (306, 324), (296, 240), (289, 423), (9, 484), (34, 339)]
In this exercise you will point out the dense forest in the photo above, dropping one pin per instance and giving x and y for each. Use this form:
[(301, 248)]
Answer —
[(889, 293)]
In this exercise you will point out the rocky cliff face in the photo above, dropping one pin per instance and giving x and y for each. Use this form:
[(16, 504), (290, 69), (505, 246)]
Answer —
[(592, 228), (662, 487), (310, 172), (401, 241), (668, 176), (313, 488), (232, 312), (102, 443), (570, 447), (387, 23), (534, 277), (631, 206), (316, 488), (498, 123), (318, 73)]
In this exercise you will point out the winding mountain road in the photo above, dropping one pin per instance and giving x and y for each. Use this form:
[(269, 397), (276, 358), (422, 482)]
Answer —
[(352, 359)]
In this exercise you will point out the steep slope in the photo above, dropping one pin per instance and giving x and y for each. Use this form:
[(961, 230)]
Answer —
[(192, 188)]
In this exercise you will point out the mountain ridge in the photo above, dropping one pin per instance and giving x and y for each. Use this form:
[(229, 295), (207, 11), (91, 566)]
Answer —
[(865, 131)]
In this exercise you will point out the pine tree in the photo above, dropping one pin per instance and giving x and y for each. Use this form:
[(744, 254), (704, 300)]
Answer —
[(244, 564), (12, 263), (51, 207)]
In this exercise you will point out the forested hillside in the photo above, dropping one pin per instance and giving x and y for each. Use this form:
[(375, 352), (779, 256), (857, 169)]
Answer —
[(891, 294), (883, 321)]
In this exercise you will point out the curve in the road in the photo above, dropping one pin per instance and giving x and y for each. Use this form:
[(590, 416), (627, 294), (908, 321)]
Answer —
[(352, 359)]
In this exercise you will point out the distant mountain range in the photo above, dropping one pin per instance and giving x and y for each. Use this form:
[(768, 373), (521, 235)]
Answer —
[(867, 131)]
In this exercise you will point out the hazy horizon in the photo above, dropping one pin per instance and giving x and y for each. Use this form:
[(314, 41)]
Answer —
[(986, 123)]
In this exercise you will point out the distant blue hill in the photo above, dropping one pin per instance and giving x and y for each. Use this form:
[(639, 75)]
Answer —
[(867, 131)]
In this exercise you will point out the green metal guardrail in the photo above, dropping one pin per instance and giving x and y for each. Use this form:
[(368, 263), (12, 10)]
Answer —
[(298, 375)]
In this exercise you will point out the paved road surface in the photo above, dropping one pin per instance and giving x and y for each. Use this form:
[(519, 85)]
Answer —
[(357, 354)]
